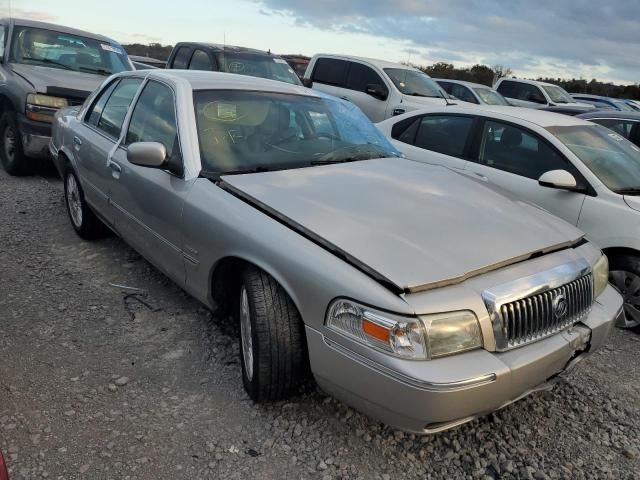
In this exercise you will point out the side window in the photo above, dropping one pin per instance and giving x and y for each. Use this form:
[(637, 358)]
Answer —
[(3, 29), (330, 71), (154, 119), (463, 93), (446, 86), (405, 130), (506, 88), (516, 150), (621, 126), (444, 134), (200, 61), (529, 93), (95, 111), (117, 106), (360, 76), (181, 59)]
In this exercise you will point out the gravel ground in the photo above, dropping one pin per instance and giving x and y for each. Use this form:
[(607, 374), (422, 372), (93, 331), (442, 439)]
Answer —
[(97, 383)]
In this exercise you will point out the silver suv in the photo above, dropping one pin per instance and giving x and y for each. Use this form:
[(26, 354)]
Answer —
[(44, 67)]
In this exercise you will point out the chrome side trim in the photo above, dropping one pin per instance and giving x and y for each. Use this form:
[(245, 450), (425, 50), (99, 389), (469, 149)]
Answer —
[(466, 383), (497, 297)]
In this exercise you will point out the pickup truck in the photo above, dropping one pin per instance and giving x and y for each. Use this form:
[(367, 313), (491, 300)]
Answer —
[(44, 67)]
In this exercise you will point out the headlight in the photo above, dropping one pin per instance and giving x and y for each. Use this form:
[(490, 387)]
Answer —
[(422, 338), (40, 100), (600, 275)]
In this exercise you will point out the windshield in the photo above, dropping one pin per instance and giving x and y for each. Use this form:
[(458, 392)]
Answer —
[(242, 131), (37, 46), (557, 94), (611, 157), (623, 106), (415, 83), (490, 97), (256, 65)]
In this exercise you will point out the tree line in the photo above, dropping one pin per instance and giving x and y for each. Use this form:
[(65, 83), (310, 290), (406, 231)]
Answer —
[(483, 74)]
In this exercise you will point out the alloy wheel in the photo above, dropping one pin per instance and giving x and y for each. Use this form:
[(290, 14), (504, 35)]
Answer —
[(628, 284), (73, 200)]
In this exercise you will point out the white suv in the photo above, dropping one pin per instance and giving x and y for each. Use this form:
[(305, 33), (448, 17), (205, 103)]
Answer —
[(381, 89), (533, 94)]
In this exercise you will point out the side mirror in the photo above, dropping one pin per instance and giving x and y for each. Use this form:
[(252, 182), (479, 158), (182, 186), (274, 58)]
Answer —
[(147, 154), (560, 179), (376, 91), (307, 82)]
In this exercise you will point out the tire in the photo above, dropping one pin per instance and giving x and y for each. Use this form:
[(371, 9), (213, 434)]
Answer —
[(86, 224), (272, 344), (12, 157), (624, 276)]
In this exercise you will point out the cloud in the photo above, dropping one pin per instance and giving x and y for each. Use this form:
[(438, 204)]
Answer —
[(576, 37)]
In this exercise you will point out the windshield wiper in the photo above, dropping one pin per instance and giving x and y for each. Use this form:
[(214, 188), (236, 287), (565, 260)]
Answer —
[(240, 171), (101, 71), (416, 94), (329, 161), (49, 62), (628, 191)]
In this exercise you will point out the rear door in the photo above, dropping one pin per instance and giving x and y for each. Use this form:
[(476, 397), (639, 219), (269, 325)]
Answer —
[(442, 139), (360, 78), (514, 158), (522, 94), (148, 201), (96, 139), (329, 75)]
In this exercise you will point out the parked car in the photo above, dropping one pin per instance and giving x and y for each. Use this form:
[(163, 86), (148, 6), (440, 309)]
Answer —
[(4, 471), (45, 67), (570, 110), (626, 124), (291, 209), (533, 94), (381, 89), (299, 63), (231, 59), (575, 169), (634, 104), (604, 103), (471, 92), (146, 63)]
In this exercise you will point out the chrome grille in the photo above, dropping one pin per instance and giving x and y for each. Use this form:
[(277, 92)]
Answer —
[(530, 308), (538, 316)]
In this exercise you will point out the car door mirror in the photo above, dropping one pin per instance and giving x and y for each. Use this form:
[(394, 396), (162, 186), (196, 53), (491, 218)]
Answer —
[(147, 154), (307, 82), (376, 91), (560, 179)]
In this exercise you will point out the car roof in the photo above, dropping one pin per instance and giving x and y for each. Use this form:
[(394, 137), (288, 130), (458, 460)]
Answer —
[(206, 80), (611, 114), (530, 115), (57, 28), (594, 97), (219, 47), (524, 80), (463, 82), (372, 61)]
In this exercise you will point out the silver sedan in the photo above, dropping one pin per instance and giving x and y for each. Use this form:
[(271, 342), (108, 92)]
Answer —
[(421, 297)]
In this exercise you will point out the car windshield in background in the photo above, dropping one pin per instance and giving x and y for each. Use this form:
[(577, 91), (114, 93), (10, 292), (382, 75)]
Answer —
[(490, 97), (622, 106), (611, 157), (257, 65), (37, 46), (411, 82), (557, 94), (242, 131)]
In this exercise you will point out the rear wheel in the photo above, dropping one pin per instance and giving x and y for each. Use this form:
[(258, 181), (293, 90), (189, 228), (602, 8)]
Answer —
[(12, 157), (84, 221), (624, 275), (272, 344)]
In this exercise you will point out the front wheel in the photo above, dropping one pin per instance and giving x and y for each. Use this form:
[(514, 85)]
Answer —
[(12, 157), (84, 221), (624, 276), (272, 344)]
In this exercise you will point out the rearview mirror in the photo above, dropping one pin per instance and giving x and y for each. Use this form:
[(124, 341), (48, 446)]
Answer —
[(147, 154), (376, 91), (560, 179), (307, 82)]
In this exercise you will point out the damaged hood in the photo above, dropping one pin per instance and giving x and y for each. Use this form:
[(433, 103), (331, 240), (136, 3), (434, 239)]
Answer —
[(419, 226), (43, 78)]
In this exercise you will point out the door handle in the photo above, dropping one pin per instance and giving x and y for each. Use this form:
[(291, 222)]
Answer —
[(77, 141), (115, 167), (483, 177)]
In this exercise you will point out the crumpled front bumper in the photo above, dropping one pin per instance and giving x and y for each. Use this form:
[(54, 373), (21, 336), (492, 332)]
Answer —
[(477, 382)]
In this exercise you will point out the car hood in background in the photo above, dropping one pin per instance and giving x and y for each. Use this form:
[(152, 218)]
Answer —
[(419, 226), (43, 78)]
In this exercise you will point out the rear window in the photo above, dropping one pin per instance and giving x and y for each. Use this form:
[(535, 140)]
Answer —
[(330, 71), (257, 65)]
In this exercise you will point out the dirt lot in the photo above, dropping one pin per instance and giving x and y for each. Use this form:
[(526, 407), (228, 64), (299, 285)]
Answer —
[(96, 383)]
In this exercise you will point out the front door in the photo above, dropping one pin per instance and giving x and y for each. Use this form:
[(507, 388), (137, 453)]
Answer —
[(514, 158)]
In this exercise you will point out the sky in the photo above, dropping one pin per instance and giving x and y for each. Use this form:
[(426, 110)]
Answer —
[(557, 38)]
